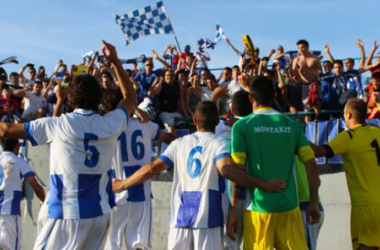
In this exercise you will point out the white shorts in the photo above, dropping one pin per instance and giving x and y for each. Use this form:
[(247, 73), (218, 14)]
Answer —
[(168, 119), (195, 239), (311, 230), (133, 222), (72, 234), (10, 231)]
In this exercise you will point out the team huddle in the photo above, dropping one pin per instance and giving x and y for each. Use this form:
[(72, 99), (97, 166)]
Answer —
[(226, 190)]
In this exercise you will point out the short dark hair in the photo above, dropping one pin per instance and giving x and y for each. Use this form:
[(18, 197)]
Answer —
[(206, 114), (262, 90), (84, 93), (110, 99), (228, 69), (340, 62), (107, 74), (211, 77), (350, 59), (327, 62), (8, 144), (376, 76), (240, 103), (14, 74), (358, 108), (236, 67), (304, 42)]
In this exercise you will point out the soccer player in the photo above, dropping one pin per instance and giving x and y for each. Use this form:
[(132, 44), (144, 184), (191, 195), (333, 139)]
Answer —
[(13, 171), (82, 144), (198, 161), (360, 149), (131, 219), (267, 141)]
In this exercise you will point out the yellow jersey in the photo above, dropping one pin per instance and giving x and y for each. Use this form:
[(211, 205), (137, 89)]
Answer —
[(360, 148)]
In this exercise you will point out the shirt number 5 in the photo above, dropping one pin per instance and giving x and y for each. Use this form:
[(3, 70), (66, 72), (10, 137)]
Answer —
[(92, 157)]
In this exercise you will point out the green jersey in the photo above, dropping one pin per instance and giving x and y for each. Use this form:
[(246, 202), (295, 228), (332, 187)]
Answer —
[(268, 141)]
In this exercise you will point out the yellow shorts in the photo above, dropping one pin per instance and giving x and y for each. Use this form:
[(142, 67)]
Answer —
[(265, 231), (365, 226)]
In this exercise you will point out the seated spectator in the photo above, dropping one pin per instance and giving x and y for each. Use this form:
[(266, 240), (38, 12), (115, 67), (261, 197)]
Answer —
[(168, 97), (35, 104)]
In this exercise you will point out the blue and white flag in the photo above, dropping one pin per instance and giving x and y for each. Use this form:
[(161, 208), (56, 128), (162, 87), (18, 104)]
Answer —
[(219, 35), (88, 55), (205, 43), (145, 21)]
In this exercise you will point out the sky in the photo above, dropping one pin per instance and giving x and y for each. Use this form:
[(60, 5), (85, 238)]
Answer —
[(42, 31)]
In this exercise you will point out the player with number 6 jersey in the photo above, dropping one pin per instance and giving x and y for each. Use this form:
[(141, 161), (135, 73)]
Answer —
[(198, 161)]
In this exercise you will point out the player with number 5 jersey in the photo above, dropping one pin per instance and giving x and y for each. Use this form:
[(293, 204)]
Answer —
[(82, 144), (198, 161)]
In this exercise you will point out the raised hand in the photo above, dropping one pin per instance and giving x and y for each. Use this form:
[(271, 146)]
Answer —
[(360, 43), (109, 52), (327, 48)]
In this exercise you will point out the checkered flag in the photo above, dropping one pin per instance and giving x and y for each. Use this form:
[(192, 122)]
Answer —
[(145, 21)]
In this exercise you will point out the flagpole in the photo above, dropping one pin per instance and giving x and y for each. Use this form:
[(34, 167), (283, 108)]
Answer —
[(175, 36)]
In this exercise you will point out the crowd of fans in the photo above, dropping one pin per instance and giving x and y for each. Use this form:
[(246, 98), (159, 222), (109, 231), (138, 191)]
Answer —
[(302, 80)]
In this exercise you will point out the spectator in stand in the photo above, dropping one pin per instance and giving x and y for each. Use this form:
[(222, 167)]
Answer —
[(194, 94), (15, 80), (352, 75), (10, 115), (327, 68), (32, 74), (183, 86), (168, 98), (7, 96), (35, 103), (370, 57), (281, 57), (202, 58), (205, 73), (371, 94), (170, 55), (308, 68), (107, 80), (144, 80)]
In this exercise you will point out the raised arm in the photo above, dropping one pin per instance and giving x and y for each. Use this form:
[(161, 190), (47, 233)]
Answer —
[(126, 86), (362, 54), (21, 73), (370, 56), (233, 47), (162, 61), (327, 49)]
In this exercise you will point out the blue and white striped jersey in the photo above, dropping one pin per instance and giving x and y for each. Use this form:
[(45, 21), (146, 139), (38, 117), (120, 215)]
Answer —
[(82, 144), (134, 149), (13, 171), (197, 185)]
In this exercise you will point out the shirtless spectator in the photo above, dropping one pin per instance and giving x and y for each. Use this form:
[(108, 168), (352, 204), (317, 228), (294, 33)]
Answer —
[(308, 68)]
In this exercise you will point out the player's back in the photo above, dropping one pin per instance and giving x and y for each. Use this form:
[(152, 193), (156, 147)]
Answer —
[(197, 184), (12, 172), (82, 144), (362, 165), (270, 140), (133, 151)]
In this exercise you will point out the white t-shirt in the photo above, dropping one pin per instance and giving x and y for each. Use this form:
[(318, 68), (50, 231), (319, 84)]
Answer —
[(32, 104), (197, 185), (82, 144), (13, 170), (134, 148)]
